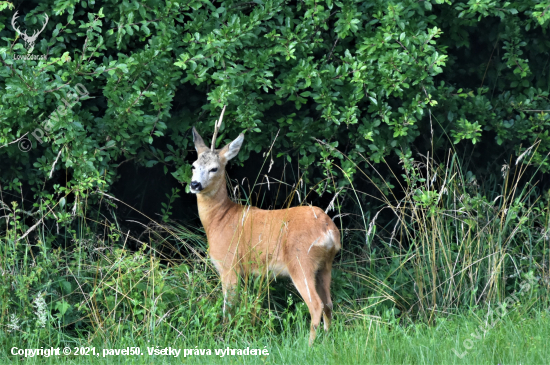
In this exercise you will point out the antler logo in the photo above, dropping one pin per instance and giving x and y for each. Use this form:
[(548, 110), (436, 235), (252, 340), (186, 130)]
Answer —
[(29, 40)]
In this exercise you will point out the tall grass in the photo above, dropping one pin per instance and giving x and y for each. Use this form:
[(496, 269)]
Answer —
[(440, 247), (453, 243)]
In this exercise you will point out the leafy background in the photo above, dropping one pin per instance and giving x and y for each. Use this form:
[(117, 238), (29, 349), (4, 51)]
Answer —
[(437, 110), (370, 78)]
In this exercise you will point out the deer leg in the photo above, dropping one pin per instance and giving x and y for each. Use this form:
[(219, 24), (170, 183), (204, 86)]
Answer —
[(323, 282), (303, 278), (229, 283)]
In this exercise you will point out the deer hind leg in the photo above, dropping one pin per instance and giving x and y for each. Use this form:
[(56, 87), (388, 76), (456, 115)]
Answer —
[(303, 278), (323, 287)]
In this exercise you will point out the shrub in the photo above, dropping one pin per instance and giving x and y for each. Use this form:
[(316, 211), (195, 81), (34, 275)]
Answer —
[(369, 77)]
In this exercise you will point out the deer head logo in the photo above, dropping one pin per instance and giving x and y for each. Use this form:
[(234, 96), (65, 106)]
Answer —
[(29, 40)]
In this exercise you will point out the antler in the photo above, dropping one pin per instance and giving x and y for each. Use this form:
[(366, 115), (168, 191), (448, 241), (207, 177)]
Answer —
[(216, 129), (24, 35), (13, 24), (35, 34), (45, 23)]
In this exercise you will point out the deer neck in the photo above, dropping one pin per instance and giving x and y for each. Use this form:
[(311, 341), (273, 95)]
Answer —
[(214, 205)]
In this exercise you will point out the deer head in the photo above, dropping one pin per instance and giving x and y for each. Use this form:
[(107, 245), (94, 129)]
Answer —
[(29, 40), (209, 169)]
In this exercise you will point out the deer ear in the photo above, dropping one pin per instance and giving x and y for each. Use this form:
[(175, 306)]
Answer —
[(232, 149), (199, 143)]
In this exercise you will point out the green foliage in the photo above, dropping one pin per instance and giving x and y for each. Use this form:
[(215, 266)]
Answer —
[(450, 246), (5, 5), (166, 207), (360, 74), (452, 242), (335, 87), (95, 287), (471, 131)]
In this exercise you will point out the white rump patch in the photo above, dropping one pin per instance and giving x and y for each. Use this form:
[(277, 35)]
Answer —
[(326, 241)]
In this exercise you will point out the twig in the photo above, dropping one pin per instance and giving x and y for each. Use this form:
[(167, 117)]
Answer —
[(518, 64), (17, 140), (155, 124), (489, 62), (544, 12), (30, 229), (55, 162), (406, 50), (333, 46), (59, 88), (140, 94), (130, 159)]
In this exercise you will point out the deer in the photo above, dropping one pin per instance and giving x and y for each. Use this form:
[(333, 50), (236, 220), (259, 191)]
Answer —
[(29, 40), (299, 242)]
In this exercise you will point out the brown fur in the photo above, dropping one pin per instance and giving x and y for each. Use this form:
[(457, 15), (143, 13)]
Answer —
[(299, 242)]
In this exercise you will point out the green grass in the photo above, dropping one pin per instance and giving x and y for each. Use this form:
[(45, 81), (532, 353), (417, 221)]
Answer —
[(407, 289), (514, 340)]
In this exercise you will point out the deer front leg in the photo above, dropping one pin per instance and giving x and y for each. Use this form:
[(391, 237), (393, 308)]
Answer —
[(228, 277), (229, 283)]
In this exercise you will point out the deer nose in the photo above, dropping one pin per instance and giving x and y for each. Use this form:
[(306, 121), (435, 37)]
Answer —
[(195, 185)]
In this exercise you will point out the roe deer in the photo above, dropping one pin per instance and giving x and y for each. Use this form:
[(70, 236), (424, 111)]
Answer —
[(299, 242)]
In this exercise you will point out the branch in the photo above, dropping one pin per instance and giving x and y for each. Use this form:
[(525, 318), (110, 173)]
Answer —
[(406, 50), (55, 162), (17, 140)]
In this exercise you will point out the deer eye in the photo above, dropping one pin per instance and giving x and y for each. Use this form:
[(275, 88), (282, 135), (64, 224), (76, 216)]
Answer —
[(214, 169)]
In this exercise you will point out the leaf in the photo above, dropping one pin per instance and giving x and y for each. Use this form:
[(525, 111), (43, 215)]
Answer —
[(62, 307)]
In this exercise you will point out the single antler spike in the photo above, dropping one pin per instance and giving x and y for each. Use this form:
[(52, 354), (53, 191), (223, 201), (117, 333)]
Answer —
[(217, 128)]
